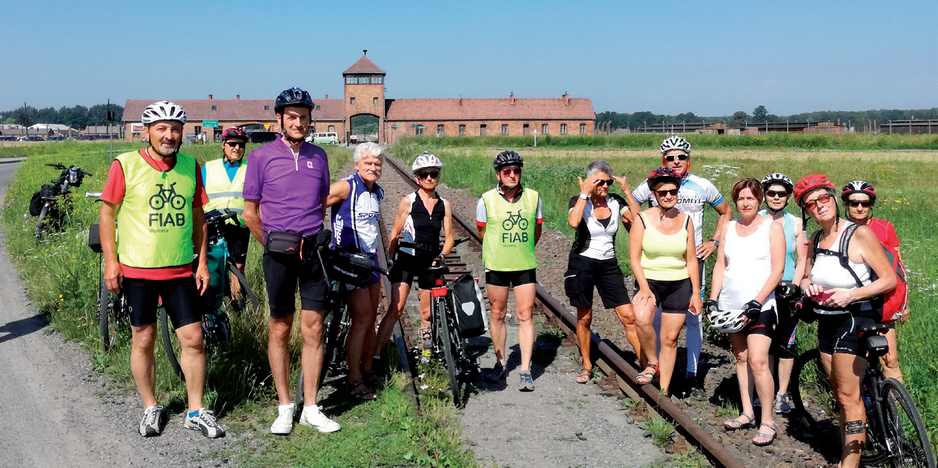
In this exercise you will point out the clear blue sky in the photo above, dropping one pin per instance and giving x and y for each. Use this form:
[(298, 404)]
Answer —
[(710, 58)]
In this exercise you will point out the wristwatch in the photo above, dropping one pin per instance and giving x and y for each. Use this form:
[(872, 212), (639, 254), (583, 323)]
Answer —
[(584, 196), (716, 243)]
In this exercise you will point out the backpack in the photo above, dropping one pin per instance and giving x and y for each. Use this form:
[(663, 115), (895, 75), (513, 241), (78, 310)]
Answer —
[(890, 304)]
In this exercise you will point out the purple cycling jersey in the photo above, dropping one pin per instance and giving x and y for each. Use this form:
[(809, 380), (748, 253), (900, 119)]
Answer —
[(290, 188)]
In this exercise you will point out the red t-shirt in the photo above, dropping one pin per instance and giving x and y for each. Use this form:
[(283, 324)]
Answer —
[(114, 190), (885, 232)]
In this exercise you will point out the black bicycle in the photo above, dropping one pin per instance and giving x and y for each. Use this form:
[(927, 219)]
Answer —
[(341, 266), (216, 324), (896, 433), (51, 203)]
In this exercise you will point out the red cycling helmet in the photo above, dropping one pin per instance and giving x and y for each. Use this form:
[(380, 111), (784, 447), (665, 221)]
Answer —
[(858, 186), (809, 183), (663, 175), (234, 133)]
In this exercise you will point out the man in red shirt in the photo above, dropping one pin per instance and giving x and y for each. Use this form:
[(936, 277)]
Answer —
[(156, 195)]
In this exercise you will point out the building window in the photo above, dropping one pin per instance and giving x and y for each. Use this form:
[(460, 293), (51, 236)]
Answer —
[(544, 129), (563, 129), (214, 107), (462, 129), (332, 128), (483, 129), (374, 101), (352, 101), (418, 130), (266, 107), (317, 107), (351, 80), (504, 129), (439, 129), (582, 129)]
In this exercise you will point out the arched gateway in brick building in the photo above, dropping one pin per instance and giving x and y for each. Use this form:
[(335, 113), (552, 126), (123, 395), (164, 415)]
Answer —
[(368, 115)]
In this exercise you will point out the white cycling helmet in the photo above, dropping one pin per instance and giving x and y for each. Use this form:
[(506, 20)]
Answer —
[(675, 143), (726, 321), (163, 110), (424, 161)]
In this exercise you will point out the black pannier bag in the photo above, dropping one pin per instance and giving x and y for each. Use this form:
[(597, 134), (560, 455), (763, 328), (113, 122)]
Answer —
[(469, 307), (94, 237), (354, 269)]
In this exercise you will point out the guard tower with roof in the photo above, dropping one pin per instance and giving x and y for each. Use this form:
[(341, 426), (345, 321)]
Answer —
[(364, 100)]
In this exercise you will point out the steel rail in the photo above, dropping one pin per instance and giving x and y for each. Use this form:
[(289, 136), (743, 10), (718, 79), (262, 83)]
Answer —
[(609, 353)]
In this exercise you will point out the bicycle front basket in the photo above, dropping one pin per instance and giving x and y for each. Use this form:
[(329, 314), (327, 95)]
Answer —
[(351, 268)]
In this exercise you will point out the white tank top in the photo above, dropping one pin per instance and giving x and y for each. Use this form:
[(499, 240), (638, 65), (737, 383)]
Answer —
[(828, 273), (748, 266)]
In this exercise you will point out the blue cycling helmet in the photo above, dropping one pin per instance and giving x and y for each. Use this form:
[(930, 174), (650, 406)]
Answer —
[(293, 97)]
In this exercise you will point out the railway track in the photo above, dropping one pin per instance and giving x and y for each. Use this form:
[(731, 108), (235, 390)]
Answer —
[(609, 358)]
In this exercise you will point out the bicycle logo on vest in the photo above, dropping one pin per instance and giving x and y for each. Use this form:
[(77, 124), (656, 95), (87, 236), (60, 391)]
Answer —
[(514, 219), (176, 202)]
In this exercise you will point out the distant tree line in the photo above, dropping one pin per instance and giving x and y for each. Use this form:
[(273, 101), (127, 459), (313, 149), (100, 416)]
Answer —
[(77, 117), (616, 120)]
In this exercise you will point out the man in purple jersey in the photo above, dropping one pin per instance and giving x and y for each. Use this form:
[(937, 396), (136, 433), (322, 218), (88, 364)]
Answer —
[(288, 181)]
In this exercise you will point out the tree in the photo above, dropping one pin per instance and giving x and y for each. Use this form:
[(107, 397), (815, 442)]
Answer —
[(739, 119), (759, 114)]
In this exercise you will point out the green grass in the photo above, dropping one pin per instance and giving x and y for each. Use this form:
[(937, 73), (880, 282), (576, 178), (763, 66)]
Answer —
[(659, 429)]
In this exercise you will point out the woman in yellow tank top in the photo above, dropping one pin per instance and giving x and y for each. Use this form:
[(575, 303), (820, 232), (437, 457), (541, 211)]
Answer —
[(665, 274)]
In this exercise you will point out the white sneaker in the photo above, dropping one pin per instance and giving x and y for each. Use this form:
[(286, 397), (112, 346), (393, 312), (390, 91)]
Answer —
[(150, 424), (312, 416), (205, 423), (283, 425)]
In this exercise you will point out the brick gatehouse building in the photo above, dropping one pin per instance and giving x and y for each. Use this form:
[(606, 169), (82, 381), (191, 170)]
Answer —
[(365, 113)]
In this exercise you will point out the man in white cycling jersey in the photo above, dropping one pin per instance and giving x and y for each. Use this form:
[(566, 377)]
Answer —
[(694, 195)]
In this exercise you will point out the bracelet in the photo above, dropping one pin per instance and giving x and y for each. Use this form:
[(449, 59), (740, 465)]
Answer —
[(584, 196)]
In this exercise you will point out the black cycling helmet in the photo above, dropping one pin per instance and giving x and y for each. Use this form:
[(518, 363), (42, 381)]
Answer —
[(663, 175), (293, 97), (506, 158), (858, 186)]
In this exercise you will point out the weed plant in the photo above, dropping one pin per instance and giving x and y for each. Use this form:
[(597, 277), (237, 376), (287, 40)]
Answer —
[(659, 430)]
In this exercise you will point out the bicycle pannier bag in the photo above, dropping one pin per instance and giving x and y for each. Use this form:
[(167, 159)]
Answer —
[(283, 242), (94, 238), (35, 204), (469, 307), (351, 268)]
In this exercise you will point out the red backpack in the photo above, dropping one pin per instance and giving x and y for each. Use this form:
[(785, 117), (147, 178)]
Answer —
[(891, 303)]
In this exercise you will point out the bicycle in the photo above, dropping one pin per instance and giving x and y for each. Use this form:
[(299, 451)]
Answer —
[(339, 266), (446, 338), (50, 203), (220, 300), (895, 430)]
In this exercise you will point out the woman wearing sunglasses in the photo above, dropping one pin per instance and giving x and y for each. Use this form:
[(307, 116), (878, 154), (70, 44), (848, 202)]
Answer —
[(843, 308), (420, 218), (860, 197), (750, 263), (664, 262), (592, 262)]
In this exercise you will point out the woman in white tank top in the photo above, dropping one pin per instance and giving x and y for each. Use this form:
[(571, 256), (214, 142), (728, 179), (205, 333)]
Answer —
[(750, 262)]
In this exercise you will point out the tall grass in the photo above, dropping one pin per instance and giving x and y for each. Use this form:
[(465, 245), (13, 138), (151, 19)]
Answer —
[(906, 192)]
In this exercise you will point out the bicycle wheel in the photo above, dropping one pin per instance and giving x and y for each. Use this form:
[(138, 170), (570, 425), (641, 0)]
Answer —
[(105, 318), (170, 343), (904, 428), (336, 327), (450, 341), (811, 393), (246, 299)]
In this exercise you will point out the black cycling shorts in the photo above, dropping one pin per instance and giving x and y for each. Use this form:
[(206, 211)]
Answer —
[(407, 267), (840, 334), (238, 238), (783, 342), (673, 297), (764, 324), (584, 273), (179, 297), (508, 279), (283, 273)]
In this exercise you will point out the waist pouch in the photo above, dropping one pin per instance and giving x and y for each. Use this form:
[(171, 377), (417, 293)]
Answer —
[(280, 242)]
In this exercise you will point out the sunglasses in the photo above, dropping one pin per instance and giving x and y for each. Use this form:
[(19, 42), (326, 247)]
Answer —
[(813, 203), (672, 192), (507, 172), (858, 203), (773, 194), (608, 182), (428, 175), (239, 144), (679, 157)]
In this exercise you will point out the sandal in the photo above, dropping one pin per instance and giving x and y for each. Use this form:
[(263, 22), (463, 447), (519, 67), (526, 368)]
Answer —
[(764, 438), (371, 379), (736, 424), (359, 391), (584, 376), (645, 377)]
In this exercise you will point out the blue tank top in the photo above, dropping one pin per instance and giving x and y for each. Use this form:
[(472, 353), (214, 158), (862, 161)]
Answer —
[(355, 220), (788, 225)]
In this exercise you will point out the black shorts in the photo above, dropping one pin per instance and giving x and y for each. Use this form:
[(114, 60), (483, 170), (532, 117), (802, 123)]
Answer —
[(508, 279), (783, 342), (764, 324), (238, 238), (179, 297), (673, 297), (283, 273), (407, 267), (840, 334), (584, 273)]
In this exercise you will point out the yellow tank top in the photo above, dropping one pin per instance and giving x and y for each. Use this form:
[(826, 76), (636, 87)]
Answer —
[(663, 255)]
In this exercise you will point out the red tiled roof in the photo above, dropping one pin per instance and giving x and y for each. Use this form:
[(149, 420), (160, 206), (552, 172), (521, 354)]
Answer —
[(235, 109), (491, 109), (363, 65)]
